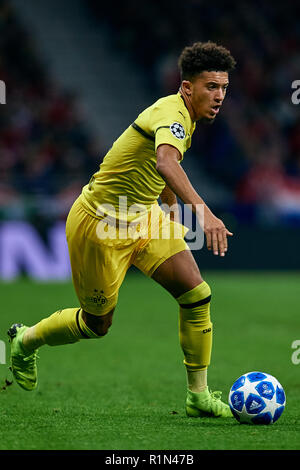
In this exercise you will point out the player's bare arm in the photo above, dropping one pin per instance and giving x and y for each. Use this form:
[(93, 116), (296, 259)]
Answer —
[(168, 198), (177, 180)]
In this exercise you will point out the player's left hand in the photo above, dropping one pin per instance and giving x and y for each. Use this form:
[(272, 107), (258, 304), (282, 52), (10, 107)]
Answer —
[(216, 234)]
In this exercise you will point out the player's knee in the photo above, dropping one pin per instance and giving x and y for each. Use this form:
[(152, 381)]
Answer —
[(199, 295), (195, 308), (98, 324)]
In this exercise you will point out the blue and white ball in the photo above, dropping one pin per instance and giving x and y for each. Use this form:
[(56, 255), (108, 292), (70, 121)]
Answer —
[(257, 398)]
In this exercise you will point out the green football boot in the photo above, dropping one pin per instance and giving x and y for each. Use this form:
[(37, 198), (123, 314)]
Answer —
[(23, 365), (206, 404)]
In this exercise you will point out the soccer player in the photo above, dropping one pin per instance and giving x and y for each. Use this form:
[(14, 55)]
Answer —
[(117, 222)]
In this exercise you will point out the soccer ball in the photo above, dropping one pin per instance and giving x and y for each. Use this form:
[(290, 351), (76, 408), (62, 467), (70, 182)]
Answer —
[(257, 398)]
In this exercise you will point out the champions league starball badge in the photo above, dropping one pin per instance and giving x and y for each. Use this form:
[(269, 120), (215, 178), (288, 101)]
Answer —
[(177, 130)]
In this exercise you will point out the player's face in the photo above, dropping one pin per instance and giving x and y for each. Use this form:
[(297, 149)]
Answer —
[(207, 92)]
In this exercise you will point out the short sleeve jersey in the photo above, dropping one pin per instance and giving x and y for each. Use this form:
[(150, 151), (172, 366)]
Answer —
[(127, 177)]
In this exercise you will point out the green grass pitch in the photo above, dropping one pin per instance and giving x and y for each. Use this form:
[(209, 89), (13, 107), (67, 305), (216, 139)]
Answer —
[(127, 390)]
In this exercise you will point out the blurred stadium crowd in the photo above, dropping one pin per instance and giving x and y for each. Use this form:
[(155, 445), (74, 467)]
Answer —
[(253, 148), (45, 149)]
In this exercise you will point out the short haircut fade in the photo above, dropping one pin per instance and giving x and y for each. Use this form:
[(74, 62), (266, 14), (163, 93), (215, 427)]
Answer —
[(204, 57)]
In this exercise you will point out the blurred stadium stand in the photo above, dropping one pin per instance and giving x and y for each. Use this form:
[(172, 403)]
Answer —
[(254, 147), (78, 72)]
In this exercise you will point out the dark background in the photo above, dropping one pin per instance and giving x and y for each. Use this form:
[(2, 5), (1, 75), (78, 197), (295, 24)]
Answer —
[(252, 151)]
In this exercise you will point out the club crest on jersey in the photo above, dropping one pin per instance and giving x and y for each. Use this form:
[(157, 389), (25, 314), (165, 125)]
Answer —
[(177, 130)]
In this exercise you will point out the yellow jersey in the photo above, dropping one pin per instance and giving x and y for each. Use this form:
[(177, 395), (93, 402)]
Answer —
[(127, 183)]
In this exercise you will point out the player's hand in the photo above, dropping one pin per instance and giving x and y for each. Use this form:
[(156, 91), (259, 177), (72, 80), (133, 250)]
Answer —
[(216, 233)]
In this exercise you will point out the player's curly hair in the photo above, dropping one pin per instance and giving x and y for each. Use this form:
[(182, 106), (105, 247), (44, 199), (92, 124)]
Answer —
[(204, 56)]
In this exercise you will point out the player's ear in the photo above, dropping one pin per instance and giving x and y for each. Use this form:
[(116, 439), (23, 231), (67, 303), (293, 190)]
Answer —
[(186, 86)]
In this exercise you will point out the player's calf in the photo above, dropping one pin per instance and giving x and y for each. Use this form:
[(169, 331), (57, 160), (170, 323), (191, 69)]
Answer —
[(195, 327), (195, 330), (66, 326), (98, 324)]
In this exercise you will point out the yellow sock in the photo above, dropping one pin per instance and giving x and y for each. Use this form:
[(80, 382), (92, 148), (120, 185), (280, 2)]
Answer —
[(62, 327), (195, 327)]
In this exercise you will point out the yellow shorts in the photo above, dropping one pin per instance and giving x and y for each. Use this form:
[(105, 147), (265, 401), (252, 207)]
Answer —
[(99, 264)]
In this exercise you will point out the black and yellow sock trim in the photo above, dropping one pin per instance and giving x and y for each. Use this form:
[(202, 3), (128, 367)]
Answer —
[(63, 327), (195, 327)]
